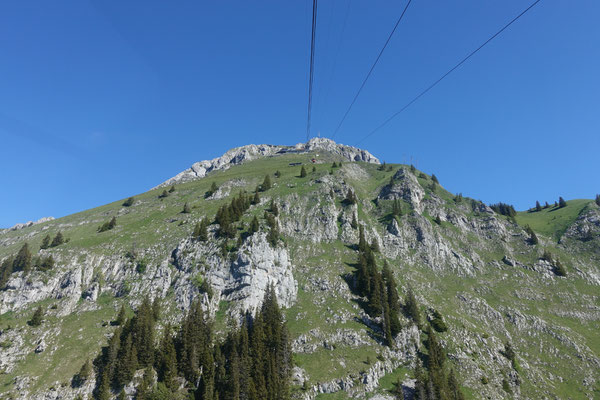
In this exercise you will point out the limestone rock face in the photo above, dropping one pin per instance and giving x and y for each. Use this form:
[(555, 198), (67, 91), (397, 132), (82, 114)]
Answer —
[(406, 187), (251, 152)]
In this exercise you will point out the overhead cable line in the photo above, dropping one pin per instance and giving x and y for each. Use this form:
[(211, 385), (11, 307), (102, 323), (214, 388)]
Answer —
[(371, 70), (312, 67), (448, 73)]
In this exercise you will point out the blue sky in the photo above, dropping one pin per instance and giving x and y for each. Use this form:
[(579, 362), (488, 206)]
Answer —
[(103, 100)]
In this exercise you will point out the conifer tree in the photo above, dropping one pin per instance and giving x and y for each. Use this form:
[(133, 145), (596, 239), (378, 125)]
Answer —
[(598, 200), (172, 189), (23, 260), (6, 269), (454, 392), (256, 199), (129, 202), (266, 185), (334, 165), (396, 208), (85, 372), (538, 206), (412, 169), (350, 197), (186, 209), (167, 361), (533, 239), (435, 179), (354, 223), (362, 242), (374, 245), (411, 307), (196, 232), (273, 208), (58, 239), (561, 202), (163, 194), (303, 172), (203, 232), (45, 242), (254, 225), (145, 387), (121, 317), (277, 174)]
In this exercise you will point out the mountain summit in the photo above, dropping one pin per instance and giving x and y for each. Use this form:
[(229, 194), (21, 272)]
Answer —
[(250, 152)]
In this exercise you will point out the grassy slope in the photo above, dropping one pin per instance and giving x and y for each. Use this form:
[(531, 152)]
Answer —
[(553, 221), (159, 224)]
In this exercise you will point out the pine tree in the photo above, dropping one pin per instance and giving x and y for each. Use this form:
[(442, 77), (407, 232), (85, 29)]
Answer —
[(411, 307), (58, 240), (302, 172), (167, 361), (256, 199), (438, 220), (392, 299), (196, 232), (145, 387), (266, 185), (561, 202), (254, 225), (374, 245), (350, 197), (435, 179), (121, 317), (334, 165), (314, 169), (412, 169), (45, 242), (533, 239), (36, 319), (186, 209), (129, 202), (6, 269), (23, 260), (362, 242), (85, 372), (454, 392), (273, 208), (598, 200), (203, 233), (172, 189), (277, 174), (163, 194), (396, 208), (354, 223), (538, 206)]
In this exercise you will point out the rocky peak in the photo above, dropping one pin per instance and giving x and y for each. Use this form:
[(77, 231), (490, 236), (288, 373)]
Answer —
[(251, 152)]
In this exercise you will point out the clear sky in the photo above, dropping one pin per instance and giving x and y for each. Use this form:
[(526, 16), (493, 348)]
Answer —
[(101, 100)]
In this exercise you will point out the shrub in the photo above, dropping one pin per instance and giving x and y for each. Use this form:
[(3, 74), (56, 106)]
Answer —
[(129, 202), (141, 266), (277, 174), (108, 225)]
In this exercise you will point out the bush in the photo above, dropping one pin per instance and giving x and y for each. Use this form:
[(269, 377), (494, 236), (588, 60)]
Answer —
[(141, 266), (108, 225), (129, 202)]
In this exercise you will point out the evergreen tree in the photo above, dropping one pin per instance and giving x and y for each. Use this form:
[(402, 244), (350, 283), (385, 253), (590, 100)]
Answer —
[(438, 220), (58, 240), (411, 307), (163, 194), (334, 165), (213, 189), (435, 179), (314, 169), (266, 185), (145, 387), (273, 208), (121, 317), (374, 245), (167, 361), (412, 169), (277, 174), (23, 260), (302, 172), (203, 233), (533, 239), (559, 269), (538, 206), (350, 197), (85, 372), (172, 189), (454, 392), (393, 299), (256, 199), (254, 226), (598, 200), (354, 223), (45, 242), (186, 209), (129, 202), (396, 208), (398, 390), (196, 232), (6, 269), (561, 202)]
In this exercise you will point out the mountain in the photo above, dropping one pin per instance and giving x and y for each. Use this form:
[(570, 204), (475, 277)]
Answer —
[(376, 267)]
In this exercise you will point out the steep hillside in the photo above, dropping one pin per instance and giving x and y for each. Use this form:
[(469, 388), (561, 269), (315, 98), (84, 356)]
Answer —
[(473, 270)]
